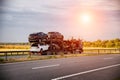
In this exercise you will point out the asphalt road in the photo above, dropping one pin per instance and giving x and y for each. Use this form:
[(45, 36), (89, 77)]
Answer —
[(103, 67)]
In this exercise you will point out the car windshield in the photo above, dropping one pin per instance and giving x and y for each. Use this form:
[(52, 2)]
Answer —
[(33, 34), (34, 45)]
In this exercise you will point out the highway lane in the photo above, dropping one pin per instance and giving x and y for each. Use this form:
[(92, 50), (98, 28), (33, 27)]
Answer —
[(57, 68)]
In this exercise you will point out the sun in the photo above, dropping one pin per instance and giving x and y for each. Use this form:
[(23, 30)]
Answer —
[(85, 18)]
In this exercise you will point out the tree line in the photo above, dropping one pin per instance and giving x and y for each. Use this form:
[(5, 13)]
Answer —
[(114, 43), (22, 43)]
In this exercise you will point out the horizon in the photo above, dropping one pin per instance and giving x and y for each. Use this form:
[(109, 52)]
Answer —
[(64, 39), (87, 20)]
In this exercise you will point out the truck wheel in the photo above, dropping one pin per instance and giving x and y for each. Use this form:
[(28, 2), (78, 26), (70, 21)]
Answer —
[(65, 52), (48, 53), (80, 52), (41, 51)]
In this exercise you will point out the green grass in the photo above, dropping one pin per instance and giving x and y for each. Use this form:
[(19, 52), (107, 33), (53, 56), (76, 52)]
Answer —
[(1, 60), (39, 57)]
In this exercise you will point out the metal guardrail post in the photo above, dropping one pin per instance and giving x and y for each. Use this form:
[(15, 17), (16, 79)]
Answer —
[(30, 54), (23, 53), (110, 51), (104, 51), (98, 51), (115, 50), (17, 53), (6, 56)]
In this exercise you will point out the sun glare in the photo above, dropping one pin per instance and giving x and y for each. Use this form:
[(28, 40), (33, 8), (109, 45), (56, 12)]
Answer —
[(85, 18)]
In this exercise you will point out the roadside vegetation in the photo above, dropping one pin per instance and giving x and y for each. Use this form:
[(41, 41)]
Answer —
[(39, 57), (114, 43), (14, 46)]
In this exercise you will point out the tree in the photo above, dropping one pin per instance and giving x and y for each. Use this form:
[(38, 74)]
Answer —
[(103, 43)]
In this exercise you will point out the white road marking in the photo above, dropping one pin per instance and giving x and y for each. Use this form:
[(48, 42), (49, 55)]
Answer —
[(46, 66), (84, 72), (108, 58)]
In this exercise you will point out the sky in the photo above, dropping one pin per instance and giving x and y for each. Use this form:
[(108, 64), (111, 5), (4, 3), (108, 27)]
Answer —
[(19, 18)]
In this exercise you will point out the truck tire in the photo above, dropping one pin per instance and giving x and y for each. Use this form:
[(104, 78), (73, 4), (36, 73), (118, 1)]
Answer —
[(41, 51), (48, 53)]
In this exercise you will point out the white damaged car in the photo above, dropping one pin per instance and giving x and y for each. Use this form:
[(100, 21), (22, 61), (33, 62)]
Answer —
[(37, 48)]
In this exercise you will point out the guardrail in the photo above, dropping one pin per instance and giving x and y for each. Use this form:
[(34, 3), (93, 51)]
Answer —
[(117, 50), (22, 52), (10, 53)]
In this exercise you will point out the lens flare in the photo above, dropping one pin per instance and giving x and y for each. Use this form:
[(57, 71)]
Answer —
[(85, 18)]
